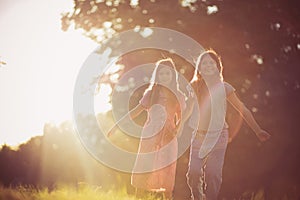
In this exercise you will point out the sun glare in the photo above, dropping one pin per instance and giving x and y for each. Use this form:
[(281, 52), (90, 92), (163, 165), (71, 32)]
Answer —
[(102, 99), (42, 64)]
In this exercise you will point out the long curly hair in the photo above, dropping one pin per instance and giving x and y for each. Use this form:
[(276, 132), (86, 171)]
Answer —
[(155, 87), (212, 54)]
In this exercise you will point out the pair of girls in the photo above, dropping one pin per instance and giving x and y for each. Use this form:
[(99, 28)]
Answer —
[(168, 110)]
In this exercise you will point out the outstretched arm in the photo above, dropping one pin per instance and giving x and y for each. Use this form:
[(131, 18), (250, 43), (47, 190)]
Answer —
[(248, 117), (132, 114)]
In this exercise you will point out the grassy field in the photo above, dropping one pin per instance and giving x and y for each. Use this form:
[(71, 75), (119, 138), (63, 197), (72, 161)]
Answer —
[(88, 192), (66, 193)]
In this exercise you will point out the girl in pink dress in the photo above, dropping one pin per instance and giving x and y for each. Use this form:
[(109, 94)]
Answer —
[(155, 166)]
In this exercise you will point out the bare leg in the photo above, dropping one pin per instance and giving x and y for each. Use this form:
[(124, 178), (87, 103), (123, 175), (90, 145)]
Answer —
[(168, 195)]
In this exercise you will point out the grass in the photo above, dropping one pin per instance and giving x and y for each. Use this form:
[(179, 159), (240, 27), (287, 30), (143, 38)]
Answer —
[(83, 192), (89, 192)]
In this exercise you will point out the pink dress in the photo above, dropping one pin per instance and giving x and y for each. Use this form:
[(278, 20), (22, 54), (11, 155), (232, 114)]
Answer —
[(155, 165)]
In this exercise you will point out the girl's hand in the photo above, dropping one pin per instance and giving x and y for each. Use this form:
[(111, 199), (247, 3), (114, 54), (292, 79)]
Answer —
[(190, 91), (263, 135), (112, 131)]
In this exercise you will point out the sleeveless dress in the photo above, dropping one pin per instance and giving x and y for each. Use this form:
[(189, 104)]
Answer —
[(155, 165)]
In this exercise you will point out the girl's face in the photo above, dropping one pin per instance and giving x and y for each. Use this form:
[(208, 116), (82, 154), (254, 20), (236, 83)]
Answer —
[(208, 66), (165, 75)]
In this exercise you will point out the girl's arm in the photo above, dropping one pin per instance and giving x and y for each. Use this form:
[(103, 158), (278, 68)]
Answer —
[(189, 109), (192, 98), (136, 111), (186, 114), (132, 114), (248, 117)]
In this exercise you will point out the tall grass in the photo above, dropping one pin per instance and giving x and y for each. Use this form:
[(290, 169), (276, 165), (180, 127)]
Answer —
[(83, 192)]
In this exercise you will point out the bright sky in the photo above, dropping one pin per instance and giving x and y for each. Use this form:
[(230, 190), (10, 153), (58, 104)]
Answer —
[(36, 84)]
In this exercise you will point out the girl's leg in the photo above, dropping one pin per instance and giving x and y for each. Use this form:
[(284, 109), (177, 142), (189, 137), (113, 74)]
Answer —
[(213, 174), (214, 168), (168, 195), (195, 172)]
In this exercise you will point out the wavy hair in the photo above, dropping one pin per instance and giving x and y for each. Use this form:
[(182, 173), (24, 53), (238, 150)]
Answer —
[(154, 86), (215, 57)]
